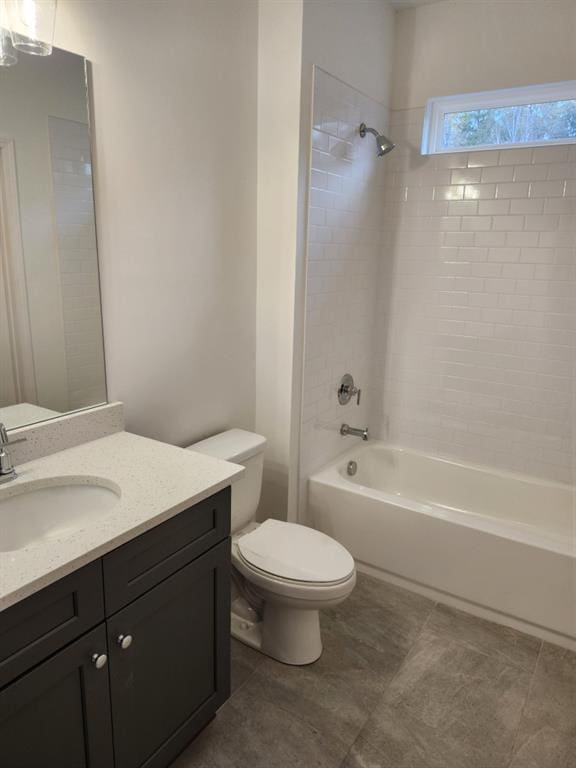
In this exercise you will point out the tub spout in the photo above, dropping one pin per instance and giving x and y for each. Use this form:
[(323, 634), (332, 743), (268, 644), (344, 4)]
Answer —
[(346, 429)]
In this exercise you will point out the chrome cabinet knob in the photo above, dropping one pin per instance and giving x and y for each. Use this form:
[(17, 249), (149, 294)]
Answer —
[(124, 641), (99, 660)]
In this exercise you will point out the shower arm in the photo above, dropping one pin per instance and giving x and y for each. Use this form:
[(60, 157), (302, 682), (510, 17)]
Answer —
[(364, 129)]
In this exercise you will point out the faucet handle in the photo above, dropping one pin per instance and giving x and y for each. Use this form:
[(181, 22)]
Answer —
[(347, 390), (5, 440)]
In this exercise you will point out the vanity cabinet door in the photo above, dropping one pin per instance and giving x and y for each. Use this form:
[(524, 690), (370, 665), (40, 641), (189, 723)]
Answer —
[(58, 715), (169, 661)]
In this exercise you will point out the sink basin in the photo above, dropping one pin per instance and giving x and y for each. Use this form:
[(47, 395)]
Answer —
[(41, 510)]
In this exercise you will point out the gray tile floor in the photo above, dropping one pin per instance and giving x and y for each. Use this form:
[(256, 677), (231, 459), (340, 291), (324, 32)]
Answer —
[(402, 683)]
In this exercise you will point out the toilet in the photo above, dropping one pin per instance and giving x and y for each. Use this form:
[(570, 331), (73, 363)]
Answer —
[(284, 574)]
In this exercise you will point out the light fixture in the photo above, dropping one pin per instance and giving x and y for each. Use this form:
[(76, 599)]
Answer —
[(8, 56), (32, 25)]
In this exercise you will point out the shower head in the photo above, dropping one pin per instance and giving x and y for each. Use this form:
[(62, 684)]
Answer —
[(382, 142)]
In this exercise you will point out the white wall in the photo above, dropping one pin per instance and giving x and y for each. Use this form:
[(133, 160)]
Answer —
[(456, 47), (353, 40), (176, 212), (279, 93), (175, 119)]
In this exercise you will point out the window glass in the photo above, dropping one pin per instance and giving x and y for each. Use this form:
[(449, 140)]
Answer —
[(549, 121), (532, 115)]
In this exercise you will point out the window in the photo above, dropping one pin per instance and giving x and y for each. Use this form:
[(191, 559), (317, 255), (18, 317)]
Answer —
[(515, 117)]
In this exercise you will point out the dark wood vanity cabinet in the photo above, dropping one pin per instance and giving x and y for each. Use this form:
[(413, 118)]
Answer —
[(174, 674), (132, 688), (59, 713)]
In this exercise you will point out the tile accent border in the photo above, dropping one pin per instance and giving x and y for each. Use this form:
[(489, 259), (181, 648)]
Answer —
[(67, 431)]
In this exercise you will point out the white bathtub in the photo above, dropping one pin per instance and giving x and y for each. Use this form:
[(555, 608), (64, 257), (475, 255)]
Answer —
[(497, 544)]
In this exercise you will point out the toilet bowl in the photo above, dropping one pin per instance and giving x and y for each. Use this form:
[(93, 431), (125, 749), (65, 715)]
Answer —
[(295, 572), (284, 574)]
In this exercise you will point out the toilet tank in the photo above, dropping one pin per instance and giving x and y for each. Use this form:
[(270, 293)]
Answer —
[(247, 449)]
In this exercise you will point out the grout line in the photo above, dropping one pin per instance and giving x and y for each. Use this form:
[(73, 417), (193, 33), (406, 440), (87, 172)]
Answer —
[(410, 649), (250, 676), (417, 638), (355, 739), (347, 755), (380, 698), (425, 624), (523, 710), (485, 652)]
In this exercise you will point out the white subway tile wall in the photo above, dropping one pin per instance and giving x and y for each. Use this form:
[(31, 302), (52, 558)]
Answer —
[(76, 231), (475, 345), (344, 254)]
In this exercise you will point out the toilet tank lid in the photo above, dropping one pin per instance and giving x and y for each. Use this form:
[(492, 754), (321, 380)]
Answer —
[(232, 445)]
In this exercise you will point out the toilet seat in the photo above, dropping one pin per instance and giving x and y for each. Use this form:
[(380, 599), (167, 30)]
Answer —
[(294, 561), (300, 591), (295, 553)]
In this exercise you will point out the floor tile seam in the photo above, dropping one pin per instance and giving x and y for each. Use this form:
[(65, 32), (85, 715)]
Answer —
[(374, 647), (504, 659), (524, 705), (409, 650), (344, 742), (403, 663), (361, 730), (301, 718), (412, 645), (357, 736), (380, 698), (347, 755), (242, 684)]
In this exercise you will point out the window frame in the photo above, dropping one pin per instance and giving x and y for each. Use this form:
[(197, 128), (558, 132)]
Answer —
[(438, 107)]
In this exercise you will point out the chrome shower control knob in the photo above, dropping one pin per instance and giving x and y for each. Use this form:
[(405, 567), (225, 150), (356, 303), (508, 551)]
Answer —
[(99, 660), (347, 390), (124, 641)]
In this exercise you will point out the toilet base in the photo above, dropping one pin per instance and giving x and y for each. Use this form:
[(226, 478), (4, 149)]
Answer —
[(286, 634)]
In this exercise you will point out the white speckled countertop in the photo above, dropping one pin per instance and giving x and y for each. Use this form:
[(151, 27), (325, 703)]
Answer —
[(156, 481)]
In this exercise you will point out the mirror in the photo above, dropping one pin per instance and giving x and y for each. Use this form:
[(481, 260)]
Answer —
[(51, 344)]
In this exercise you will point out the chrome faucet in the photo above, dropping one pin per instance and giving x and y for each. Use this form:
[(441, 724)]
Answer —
[(346, 429), (7, 469)]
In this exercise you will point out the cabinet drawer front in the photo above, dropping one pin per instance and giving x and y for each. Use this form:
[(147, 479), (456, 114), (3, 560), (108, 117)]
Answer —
[(58, 715), (173, 674), (45, 622), (136, 567)]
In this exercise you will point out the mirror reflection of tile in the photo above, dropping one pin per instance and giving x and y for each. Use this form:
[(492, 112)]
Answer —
[(52, 356)]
